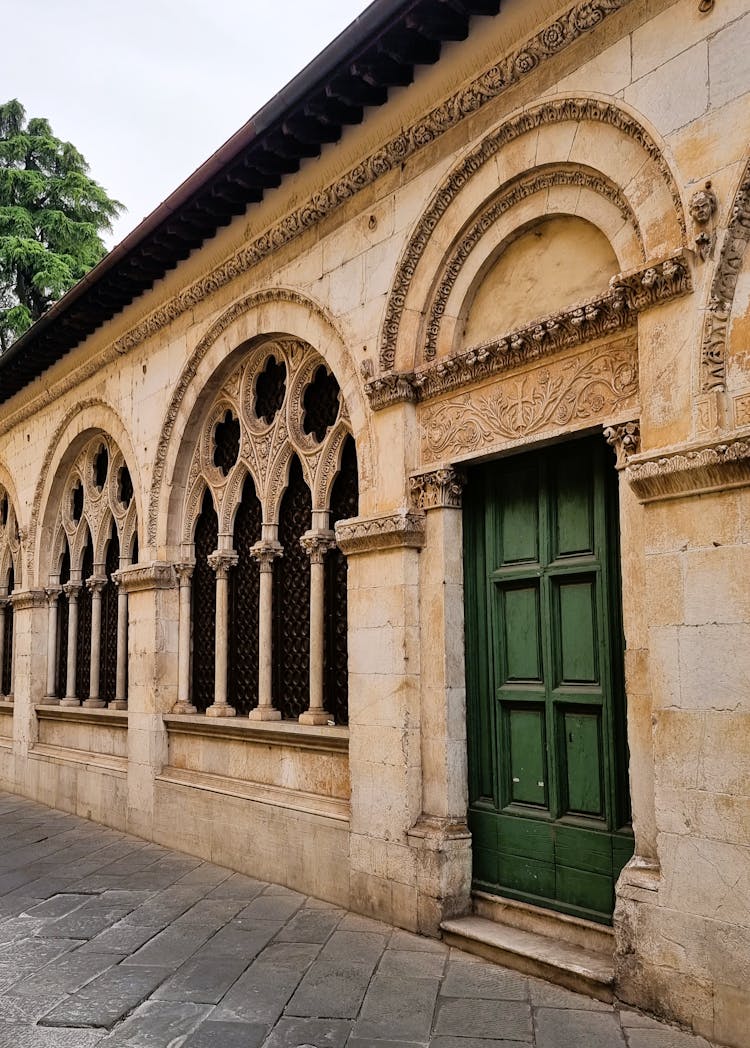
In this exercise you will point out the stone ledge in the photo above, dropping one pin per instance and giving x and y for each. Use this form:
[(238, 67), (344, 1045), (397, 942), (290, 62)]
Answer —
[(93, 761), (82, 715), (274, 796), (692, 470), (403, 528), (272, 733)]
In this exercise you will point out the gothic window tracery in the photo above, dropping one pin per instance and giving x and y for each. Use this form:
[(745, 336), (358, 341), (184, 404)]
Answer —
[(256, 529)]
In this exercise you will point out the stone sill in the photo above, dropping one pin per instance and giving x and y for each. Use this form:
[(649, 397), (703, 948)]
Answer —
[(82, 715), (7, 704), (323, 738), (91, 761), (275, 796)]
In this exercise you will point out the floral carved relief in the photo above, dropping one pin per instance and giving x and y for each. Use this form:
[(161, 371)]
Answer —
[(565, 394)]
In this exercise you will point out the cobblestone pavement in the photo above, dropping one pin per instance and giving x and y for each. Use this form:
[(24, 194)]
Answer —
[(106, 940)]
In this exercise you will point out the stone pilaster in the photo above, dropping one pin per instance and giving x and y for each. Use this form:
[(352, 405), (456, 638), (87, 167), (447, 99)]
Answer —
[(29, 658)]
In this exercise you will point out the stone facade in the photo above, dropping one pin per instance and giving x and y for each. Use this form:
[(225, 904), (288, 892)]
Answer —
[(543, 236)]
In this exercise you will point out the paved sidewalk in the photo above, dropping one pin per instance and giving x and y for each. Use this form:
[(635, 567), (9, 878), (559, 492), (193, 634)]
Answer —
[(107, 940)]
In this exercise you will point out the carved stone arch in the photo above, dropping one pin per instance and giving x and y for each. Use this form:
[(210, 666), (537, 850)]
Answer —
[(103, 535), (192, 508), (232, 497), (730, 267), (128, 530), (12, 533), (607, 137), (80, 541), (59, 545), (81, 423), (279, 482), (275, 313), (329, 467)]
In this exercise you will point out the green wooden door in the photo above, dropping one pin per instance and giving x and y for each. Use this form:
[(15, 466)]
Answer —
[(549, 808)]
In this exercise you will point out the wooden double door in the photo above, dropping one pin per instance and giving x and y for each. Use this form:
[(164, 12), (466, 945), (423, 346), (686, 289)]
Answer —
[(549, 810)]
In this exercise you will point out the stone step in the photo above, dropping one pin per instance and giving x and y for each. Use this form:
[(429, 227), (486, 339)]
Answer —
[(558, 926), (574, 967)]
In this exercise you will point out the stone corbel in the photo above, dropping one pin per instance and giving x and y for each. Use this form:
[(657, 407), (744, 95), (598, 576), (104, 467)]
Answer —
[(139, 577), (693, 470), (440, 488), (625, 438), (23, 600), (403, 528)]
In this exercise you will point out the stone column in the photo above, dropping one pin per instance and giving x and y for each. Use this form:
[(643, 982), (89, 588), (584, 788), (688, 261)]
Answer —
[(120, 701), (52, 594), (29, 673), (265, 553), (71, 590), (440, 836), (4, 601), (221, 560), (316, 545), (96, 584), (184, 574)]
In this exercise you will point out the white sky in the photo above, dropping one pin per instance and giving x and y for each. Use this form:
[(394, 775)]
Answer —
[(148, 89)]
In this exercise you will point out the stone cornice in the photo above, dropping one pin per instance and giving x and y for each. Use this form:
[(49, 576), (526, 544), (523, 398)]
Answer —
[(551, 40), (693, 470), (365, 534), (617, 310), (23, 600), (138, 577)]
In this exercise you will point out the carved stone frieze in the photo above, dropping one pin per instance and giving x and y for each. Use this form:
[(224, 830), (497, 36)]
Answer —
[(153, 576), (365, 534), (581, 18), (724, 284), (625, 438), (607, 314), (440, 488), (577, 109), (691, 471), (566, 393), (514, 194)]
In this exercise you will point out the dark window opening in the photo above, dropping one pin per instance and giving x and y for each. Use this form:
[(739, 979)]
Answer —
[(227, 443), (204, 606), (244, 583), (124, 487), (270, 390), (101, 466), (321, 403), (344, 503), (76, 504)]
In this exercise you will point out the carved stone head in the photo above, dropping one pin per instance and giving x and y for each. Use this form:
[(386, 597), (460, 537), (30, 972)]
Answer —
[(703, 205)]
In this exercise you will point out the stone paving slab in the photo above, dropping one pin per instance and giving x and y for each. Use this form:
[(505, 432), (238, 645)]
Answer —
[(107, 941)]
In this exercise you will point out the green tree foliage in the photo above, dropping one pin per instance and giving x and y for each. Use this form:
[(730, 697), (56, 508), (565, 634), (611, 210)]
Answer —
[(51, 214)]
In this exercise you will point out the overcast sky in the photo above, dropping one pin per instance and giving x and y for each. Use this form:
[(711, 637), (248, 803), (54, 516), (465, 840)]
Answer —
[(148, 89)]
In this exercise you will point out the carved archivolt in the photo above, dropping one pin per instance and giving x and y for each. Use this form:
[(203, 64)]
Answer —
[(512, 195), (10, 541), (713, 358), (629, 295), (98, 490), (581, 18), (265, 445), (570, 109), (567, 393)]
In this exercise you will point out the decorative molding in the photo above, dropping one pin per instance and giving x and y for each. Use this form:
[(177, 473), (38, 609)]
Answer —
[(139, 577), (584, 389), (691, 471), (24, 600), (555, 111), (617, 310), (625, 438), (723, 287), (581, 18), (366, 534), (519, 190), (440, 488)]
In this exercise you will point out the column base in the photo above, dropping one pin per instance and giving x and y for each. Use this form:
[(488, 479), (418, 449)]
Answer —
[(118, 704), (314, 717), (182, 706), (221, 709), (70, 700), (51, 700), (264, 713), (94, 704)]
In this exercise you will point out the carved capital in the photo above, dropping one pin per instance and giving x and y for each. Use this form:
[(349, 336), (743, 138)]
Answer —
[(96, 584), (625, 438), (437, 489), (365, 534), (184, 572), (22, 600), (71, 590), (316, 544), (222, 561), (266, 553), (52, 593), (691, 471), (139, 577)]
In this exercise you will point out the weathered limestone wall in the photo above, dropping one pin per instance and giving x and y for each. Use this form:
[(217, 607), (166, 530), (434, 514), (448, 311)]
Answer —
[(616, 125)]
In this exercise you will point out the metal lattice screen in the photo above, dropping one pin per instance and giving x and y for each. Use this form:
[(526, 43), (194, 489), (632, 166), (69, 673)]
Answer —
[(204, 606), (344, 503), (108, 665), (291, 613), (62, 626), (83, 635), (7, 667), (243, 604)]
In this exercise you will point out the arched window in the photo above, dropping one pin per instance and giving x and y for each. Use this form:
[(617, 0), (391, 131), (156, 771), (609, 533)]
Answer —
[(6, 685), (108, 638), (83, 633), (10, 548), (291, 606), (274, 468), (204, 605), (62, 626), (344, 504), (244, 600)]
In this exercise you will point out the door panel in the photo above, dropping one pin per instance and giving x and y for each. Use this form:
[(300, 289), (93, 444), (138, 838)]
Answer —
[(549, 807)]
